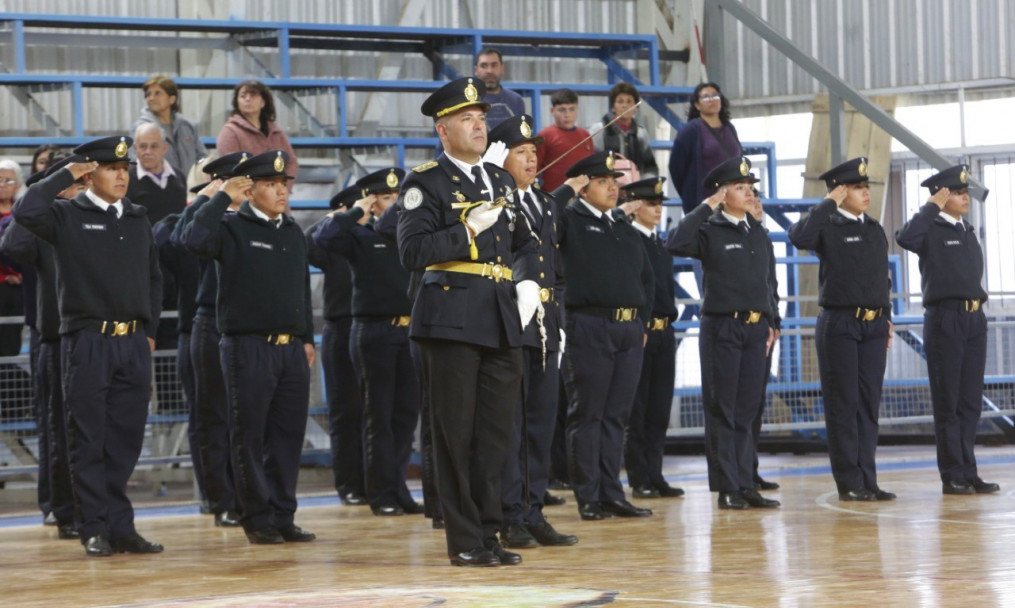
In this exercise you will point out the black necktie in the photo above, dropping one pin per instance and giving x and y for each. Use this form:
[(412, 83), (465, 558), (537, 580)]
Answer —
[(111, 210), (477, 175), (533, 208), (743, 227), (276, 222)]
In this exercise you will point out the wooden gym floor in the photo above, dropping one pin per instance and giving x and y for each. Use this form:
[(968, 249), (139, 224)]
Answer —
[(925, 549)]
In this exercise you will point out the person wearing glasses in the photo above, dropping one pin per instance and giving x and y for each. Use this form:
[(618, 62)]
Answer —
[(706, 140)]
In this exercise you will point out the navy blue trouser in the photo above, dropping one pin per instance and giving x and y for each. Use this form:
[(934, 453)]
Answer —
[(380, 353), (61, 495), (527, 466), (431, 502), (268, 388), (345, 407), (41, 414), (852, 354), (107, 386), (473, 394), (185, 372), (956, 345), (650, 416), (732, 354), (758, 418), (211, 416), (602, 364)]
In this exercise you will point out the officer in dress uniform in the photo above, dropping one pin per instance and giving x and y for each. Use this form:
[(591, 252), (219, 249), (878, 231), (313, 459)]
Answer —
[(380, 340), (266, 350), (854, 326), (650, 415), (109, 294), (211, 409), (345, 403), (954, 325), (608, 297), (736, 326), (458, 227), (24, 247), (526, 470)]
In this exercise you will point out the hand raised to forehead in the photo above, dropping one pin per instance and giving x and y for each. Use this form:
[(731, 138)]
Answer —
[(940, 198), (838, 194)]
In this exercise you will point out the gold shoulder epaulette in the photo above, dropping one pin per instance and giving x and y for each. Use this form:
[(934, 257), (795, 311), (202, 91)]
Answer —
[(425, 166)]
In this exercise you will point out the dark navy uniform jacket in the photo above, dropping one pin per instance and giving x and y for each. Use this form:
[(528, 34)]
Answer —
[(207, 274), (737, 267), (550, 265), (853, 254), (337, 276), (951, 260), (452, 305), (264, 279), (184, 270), (24, 247), (108, 268), (380, 284)]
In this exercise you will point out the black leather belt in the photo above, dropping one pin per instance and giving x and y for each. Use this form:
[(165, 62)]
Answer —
[(613, 314), (959, 305), (114, 328), (860, 313)]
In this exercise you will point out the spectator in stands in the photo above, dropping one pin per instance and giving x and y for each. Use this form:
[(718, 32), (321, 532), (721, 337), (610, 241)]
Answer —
[(10, 279), (154, 182), (252, 129), (706, 140), (504, 103), (559, 138), (163, 109), (41, 156), (626, 137)]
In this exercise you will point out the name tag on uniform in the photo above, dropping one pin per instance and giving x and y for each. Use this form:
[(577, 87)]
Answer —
[(93, 227), (730, 246), (591, 228), (852, 239), (953, 243), (380, 246), (262, 245)]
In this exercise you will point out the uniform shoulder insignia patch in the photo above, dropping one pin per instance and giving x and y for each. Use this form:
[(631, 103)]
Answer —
[(430, 164), (413, 198)]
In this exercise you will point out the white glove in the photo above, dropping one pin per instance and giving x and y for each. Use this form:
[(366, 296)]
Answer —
[(528, 300), (563, 339), (497, 153), (482, 217)]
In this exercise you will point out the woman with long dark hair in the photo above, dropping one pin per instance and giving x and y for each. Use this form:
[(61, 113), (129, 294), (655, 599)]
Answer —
[(703, 143), (251, 128)]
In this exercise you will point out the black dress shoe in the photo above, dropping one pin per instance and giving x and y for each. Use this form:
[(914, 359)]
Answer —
[(956, 488), (668, 491), (764, 486), (135, 543), (644, 491), (984, 487), (732, 501), (67, 531), (559, 484), (49, 519), (549, 500), (475, 557), (591, 511), (387, 510), (622, 508), (880, 494), (265, 536), (412, 508), (295, 534), (437, 523), (227, 519), (504, 557), (352, 499), (862, 495), (98, 546), (517, 536), (757, 500), (545, 535)]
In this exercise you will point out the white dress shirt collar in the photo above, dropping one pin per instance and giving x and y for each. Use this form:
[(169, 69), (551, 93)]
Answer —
[(162, 179), (101, 204)]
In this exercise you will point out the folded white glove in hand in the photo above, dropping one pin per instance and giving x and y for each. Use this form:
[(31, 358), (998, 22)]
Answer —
[(528, 300), (496, 154), (482, 217)]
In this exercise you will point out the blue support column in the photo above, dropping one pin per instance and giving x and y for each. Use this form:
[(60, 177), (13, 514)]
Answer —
[(653, 63), (19, 46), (400, 152), (77, 100), (283, 53), (343, 128)]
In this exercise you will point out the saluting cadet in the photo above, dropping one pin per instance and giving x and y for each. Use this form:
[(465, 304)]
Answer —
[(24, 247), (854, 329), (266, 350), (526, 469), (650, 414), (736, 325), (380, 340), (109, 294), (608, 298), (211, 409), (345, 403), (472, 304), (954, 325)]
